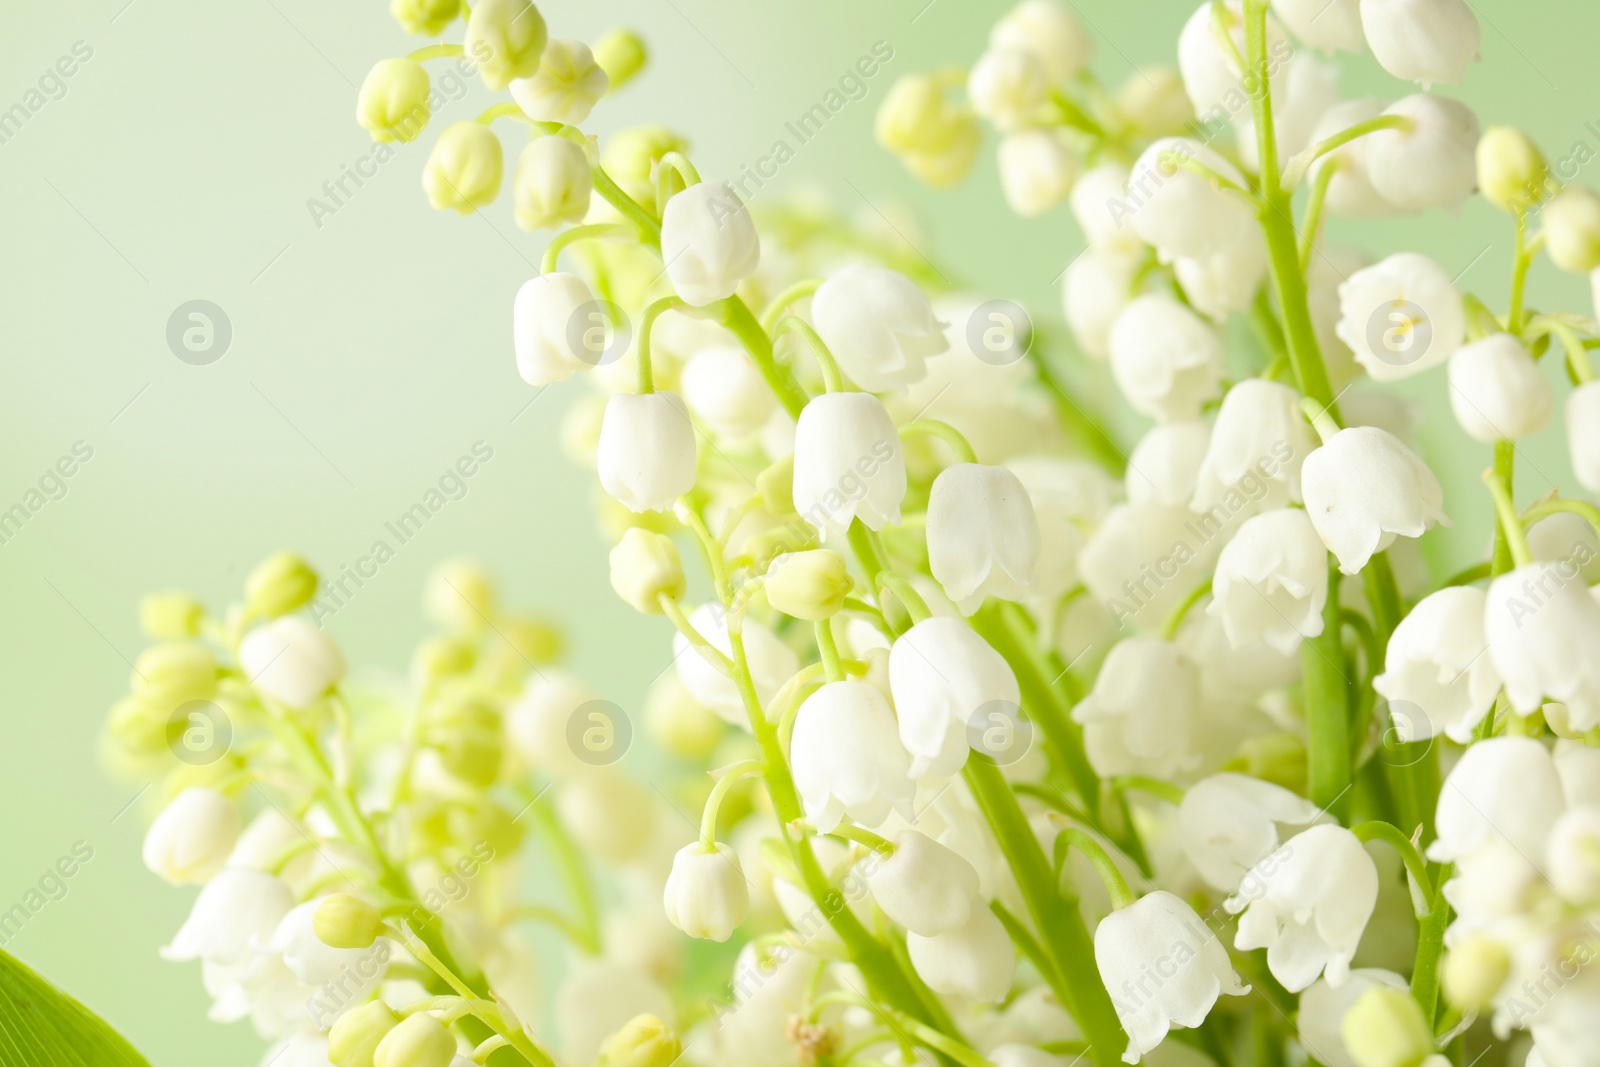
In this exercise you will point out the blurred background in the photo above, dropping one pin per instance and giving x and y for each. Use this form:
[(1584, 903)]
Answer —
[(368, 347)]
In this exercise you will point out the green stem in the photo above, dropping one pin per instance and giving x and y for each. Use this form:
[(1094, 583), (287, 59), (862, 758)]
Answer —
[(646, 322), (1116, 885), (1509, 521), (829, 651), (501, 111), (1302, 162), (1521, 262), (574, 873), (1316, 205), (1430, 948), (1545, 509), (1174, 623), (780, 379), (1328, 748), (945, 432), (1172, 794), (730, 777), (569, 237), (1377, 830), (436, 51), (780, 303), (832, 380)]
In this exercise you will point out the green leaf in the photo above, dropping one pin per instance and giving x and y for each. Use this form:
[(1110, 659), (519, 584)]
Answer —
[(40, 1026)]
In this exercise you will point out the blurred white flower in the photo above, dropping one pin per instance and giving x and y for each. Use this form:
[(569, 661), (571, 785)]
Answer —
[(1094, 289), (1205, 58), (1164, 467), (235, 909), (942, 675), (1543, 628), (291, 660), (192, 837), (1437, 676), (1177, 210), (1502, 790), (1228, 823), (551, 328), (552, 186), (1322, 1010), (1497, 392), (975, 960), (1141, 714), (566, 86), (1351, 194), (726, 392), (772, 663), (1094, 201), (1050, 34), (1331, 25), (924, 886), (1009, 87), (1583, 434), (1037, 169), (1167, 360), (1257, 446)]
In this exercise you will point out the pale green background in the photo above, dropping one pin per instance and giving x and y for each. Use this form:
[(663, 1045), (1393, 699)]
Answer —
[(369, 354)]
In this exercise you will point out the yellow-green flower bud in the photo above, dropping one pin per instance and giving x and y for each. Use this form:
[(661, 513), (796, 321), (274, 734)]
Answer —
[(1511, 171), (436, 658), (427, 18), (344, 921), (138, 725), (1385, 1028), (678, 722), (808, 585), (1474, 971), (793, 534), (170, 616), (531, 640), (632, 154), (1154, 101), (643, 566), (168, 675), (467, 735), (621, 54), (355, 1037), (393, 102), (914, 116), (553, 184), (1572, 229), (944, 167), (281, 583), (644, 1041), (459, 595), (506, 38), (419, 1041), (464, 169)]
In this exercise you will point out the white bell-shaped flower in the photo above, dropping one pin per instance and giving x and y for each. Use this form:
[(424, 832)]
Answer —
[(1543, 627), (848, 464), (1271, 582), (1164, 467), (1320, 1020), (1350, 192), (983, 538), (879, 325), (1432, 164), (291, 661), (708, 243), (1583, 434), (1424, 41), (772, 664), (1037, 168), (1573, 855), (1257, 446), (1401, 316), (706, 895), (847, 757), (1141, 714), (1226, 281), (1308, 906), (1161, 935), (553, 184), (236, 908), (647, 450), (1228, 823), (1205, 59), (726, 392), (1502, 790), (1094, 289), (943, 676), (1166, 359), (1069, 497), (1009, 87), (551, 326), (924, 886), (566, 86), (1497, 392), (1331, 25), (191, 839), (1363, 488), (1181, 212), (1094, 201), (976, 960), (1436, 676), (1050, 34)]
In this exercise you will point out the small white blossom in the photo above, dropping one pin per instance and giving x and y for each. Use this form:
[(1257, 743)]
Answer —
[(1094, 201), (566, 86), (983, 538), (1009, 87), (924, 886), (550, 328), (647, 450), (1583, 434), (1094, 289), (1049, 33), (1166, 360), (1205, 60), (237, 907), (1432, 164), (1437, 676), (1543, 628), (1331, 25), (975, 960), (1228, 823), (1037, 168), (1256, 448), (1322, 1009), (706, 895), (1181, 212), (1497, 392), (1363, 488), (1164, 467), (1424, 41), (726, 392), (708, 243), (291, 660), (1272, 582), (1503, 789), (1401, 316), (942, 675), (1140, 716), (847, 758), (192, 837), (848, 464), (879, 325)]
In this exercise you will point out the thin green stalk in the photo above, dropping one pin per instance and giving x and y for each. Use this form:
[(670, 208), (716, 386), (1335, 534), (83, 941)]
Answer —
[(1328, 747), (780, 303), (1416, 866), (1430, 948), (571, 236), (945, 432), (1116, 885), (736, 316), (573, 871), (832, 380), (1545, 509)]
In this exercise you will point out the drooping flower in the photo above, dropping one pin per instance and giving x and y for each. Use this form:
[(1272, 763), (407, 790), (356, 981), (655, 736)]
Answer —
[(1363, 488), (1272, 582), (1049, 33), (943, 675), (1256, 447), (848, 464), (550, 328), (708, 243), (1497, 392), (1431, 163), (975, 960), (879, 325), (847, 758), (983, 538), (1095, 288), (1437, 675), (1009, 87), (1205, 58), (1583, 434), (1164, 467), (726, 392), (192, 837), (1037, 169), (464, 168), (647, 450), (552, 185), (924, 886), (235, 909), (1140, 716), (1228, 823), (1094, 201), (1401, 316), (1503, 789), (1331, 25), (772, 663), (1181, 212), (1167, 360), (1543, 628), (1424, 41), (566, 86), (1320, 1021), (1350, 192), (706, 895), (291, 660), (506, 39)]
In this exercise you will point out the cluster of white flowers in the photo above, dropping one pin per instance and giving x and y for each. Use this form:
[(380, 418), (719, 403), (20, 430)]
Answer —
[(985, 785)]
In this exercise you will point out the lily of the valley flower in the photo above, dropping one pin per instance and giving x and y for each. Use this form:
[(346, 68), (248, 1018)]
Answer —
[(1320, 1020), (1503, 790), (1437, 669), (706, 895), (1256, 447), (647, 450), (848, 463), (1309, 906), (190, 840), (552, 185), (1037, 168), (393, 104), (506, 38), (1331, 25), (1228, 823), (1163, 967), (1424, 41), (847, 759), (1272, 582), (566, 86), (1009, 87), (1350, 192), (1177, 210), (942, 675), (1167, 361), (1363, 488), (235, 909), (1497, 392), (1205, 58), (924, 886), (975, 960), (1141, 714), (879, 325), (1543, 627), (1164, 467), (464, 168), (291, 660), (1094, 290), (549, 326), (1574, 856), (313, 962), (708, 243), (983, 538), (1094, 201), (726, 392), (1049, 33), (1069, 497), (1583, 434), (1401, 316), (1433, 163)]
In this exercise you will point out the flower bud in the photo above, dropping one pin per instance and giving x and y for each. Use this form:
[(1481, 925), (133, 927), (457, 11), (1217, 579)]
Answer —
[(1037, 169), (1574, 856), (291, 661), (566, 86), (170, 616), (808, 585), (460, 596), (1385, 1028), (1008, 87), (464, 169), (393, 102), (793, 535), (1496, 390), (138, 725), (946, 165), (645, 1041), (190, 840), (174, 673), (1154, 101), (621, 54), (1424, 41), (447, 656), (632, 155), (425, 18), (345, 921), (419, 1041), (1572, 229), (1511, 171), (709, 242), (914, 116), (1583, 434), (281, 583), (467, 736), (705, 894), (506, 38), (645, 565), (1474, 971), (355, 1037), (552, 186)]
